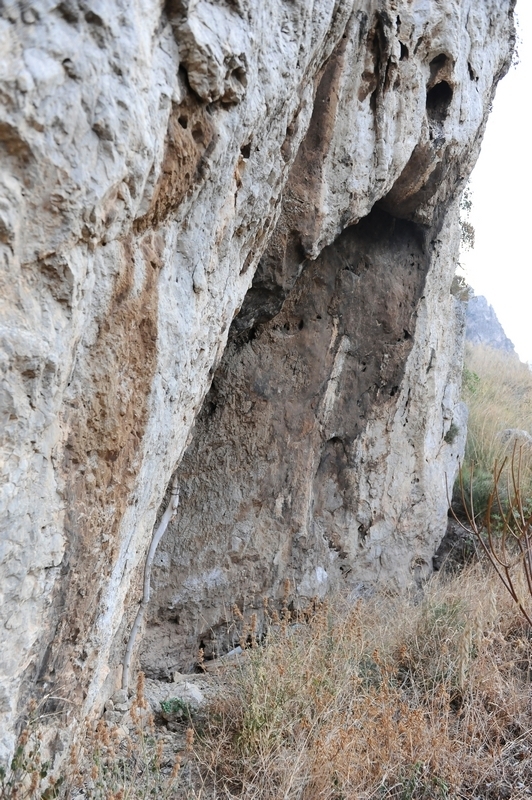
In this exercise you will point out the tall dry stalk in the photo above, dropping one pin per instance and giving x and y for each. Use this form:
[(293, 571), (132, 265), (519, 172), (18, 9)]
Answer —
[(505, 529)]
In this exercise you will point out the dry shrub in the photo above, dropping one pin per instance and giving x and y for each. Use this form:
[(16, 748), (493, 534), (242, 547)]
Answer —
[(386, 699), (504, 531)]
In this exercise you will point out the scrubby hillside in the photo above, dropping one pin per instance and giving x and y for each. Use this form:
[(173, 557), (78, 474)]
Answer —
[(497, 389)]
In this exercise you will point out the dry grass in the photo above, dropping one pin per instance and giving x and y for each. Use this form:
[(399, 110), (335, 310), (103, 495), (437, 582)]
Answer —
[(386, 699), (27, 776), (504, 532)]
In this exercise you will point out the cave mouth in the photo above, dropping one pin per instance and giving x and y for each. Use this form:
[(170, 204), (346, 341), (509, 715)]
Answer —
[(269, 481), (439, 99)]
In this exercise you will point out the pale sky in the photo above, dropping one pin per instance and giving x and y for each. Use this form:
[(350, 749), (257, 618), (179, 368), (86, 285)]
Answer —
[(500, 265)]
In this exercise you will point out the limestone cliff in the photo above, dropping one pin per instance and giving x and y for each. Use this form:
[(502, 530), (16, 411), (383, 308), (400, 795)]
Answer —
[(483, 326), (169, 169)]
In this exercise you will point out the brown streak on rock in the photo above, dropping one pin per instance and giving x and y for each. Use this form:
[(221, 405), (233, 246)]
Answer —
[(306, 177), (107, 424), (189, 140)]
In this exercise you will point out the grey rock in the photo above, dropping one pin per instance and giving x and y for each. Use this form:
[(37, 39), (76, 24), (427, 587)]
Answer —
[(483, 326), (113, 717), (186, 692), (515, 436), (120, 697)]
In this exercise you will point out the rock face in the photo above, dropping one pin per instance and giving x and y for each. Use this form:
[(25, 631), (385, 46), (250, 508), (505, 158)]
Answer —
[(312, 459), (483, 326), (152, 155)]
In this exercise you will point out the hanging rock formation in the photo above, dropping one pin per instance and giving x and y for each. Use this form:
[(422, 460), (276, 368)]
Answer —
[(169, 169)]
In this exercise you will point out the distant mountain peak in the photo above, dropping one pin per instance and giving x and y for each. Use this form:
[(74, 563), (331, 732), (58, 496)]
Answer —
[(483, 326)]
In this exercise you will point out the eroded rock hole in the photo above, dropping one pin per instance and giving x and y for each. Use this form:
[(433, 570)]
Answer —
[(183, 121), (198, 134), (175, 8), (404, 52), (245, 150), (210, 408), (439, 99), (275, 393), (68, 12), (437, 64), (240, 74), (246, 336), (93, 19)]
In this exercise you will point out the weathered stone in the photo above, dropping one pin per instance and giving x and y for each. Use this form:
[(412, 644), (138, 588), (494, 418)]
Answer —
[(148, 154), (515, 437), (113, 717), (173, 701), (120, 697), (312, 458)]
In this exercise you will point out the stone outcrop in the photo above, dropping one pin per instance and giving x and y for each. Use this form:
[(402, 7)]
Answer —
[(152, 155), (483, 326)]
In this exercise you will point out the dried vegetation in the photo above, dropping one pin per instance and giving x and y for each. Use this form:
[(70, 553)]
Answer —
[(383, 699)]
